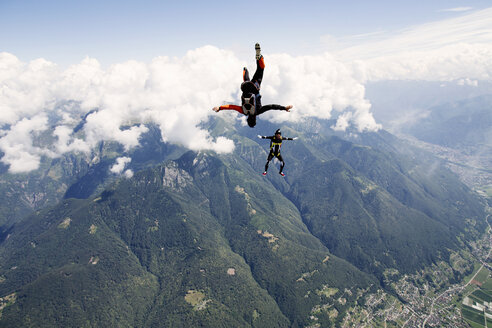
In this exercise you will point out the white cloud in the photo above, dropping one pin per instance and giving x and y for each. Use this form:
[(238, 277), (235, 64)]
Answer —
[(175, 93), (66, 142), (342, 122), (121, 162), (472, 28), (453, 62), (17, 144), (24, 88), (447, 50), (457, 9), (318, 86), (468, 82)]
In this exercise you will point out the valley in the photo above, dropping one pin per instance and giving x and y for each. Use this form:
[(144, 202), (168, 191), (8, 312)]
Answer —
[(472, 164), (431, 297)]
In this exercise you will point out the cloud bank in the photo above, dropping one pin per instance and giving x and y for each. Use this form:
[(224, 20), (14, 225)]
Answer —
[(177, 94), (39, 100), (317, 86)]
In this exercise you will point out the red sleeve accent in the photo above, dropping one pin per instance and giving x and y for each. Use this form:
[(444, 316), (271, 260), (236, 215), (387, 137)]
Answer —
[(232, 107)]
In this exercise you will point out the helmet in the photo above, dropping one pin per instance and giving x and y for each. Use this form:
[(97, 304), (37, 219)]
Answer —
[(278, 132), (251, 119)]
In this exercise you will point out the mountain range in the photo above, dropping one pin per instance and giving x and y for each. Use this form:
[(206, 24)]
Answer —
[(202, 239)]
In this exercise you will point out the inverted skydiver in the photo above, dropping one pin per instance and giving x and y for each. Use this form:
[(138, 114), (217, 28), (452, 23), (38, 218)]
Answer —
[(251, 98)]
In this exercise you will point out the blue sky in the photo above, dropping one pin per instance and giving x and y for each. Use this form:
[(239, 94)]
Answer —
[(114, 31)]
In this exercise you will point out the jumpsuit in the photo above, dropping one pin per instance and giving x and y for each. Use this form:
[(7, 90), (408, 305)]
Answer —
[(251, 95), (275, 145)]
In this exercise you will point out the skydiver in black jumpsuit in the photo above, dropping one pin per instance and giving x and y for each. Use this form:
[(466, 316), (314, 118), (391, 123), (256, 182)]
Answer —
[(275, 145), (251, 99)]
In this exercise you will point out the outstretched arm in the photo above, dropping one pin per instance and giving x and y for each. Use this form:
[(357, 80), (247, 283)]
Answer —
[(265, 137), (285, 138), (273, 107), (229, 107)]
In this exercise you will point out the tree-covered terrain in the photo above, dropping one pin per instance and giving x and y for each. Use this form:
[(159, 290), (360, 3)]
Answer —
[(200, 239)]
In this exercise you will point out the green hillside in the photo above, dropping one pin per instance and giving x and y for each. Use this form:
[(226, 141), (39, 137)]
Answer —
[(186, 244), (200, 239), (74, 175), (378, 208)]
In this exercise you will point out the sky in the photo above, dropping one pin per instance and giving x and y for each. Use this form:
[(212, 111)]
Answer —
[(112, 31), (170, 62)]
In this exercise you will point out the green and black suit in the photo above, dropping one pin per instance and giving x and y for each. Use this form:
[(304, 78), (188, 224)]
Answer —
[(275, 145)]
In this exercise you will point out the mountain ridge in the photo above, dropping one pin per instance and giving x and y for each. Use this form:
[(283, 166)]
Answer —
[(207, 240)]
